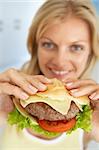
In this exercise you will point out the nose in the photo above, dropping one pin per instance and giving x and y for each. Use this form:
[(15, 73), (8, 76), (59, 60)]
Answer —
[(62, 57)]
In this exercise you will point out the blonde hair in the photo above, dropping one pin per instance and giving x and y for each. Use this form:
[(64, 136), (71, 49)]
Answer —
[(58, 10)]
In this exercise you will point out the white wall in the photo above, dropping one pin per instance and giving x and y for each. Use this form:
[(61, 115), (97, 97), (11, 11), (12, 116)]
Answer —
[(15, 18)]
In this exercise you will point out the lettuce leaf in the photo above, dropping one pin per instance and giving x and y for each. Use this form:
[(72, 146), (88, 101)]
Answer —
[(83, 122), (15, 118), (83, 119)]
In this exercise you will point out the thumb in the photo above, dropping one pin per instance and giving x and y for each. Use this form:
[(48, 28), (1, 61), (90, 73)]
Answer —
[(6, 104)]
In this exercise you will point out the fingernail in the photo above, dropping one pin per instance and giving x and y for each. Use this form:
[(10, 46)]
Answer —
[(49, 80), (74, 92), (24, 96), (33, 89), (69, 84), (43, 87), (94, 96)]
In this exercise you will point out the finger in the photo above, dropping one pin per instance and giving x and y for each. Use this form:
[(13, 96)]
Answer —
[(19, 79), (7, 88), (3, 118), (37, 84), (95, 96), (6, 76), (84, 90), (43, 79), (79, 83), (6, 104), (3, 77)]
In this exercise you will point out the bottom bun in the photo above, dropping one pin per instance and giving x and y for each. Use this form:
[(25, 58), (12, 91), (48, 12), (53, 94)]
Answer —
[(41, 136)]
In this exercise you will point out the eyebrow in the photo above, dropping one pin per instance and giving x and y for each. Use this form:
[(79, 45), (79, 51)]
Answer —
[(48, 39), (78, 41)]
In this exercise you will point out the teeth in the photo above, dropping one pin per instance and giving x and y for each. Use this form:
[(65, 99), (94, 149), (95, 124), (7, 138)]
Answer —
[(60, 72)]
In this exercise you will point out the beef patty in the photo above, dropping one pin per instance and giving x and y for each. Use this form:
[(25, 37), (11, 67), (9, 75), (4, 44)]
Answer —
[(44, 111)]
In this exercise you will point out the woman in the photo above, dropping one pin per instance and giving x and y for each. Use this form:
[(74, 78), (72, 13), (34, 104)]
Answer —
[(63, 43)]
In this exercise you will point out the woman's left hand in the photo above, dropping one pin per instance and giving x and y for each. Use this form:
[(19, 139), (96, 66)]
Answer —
[(85, 87), (90, 88)]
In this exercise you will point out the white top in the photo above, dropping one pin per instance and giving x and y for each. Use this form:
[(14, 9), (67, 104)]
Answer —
[(14, 140)]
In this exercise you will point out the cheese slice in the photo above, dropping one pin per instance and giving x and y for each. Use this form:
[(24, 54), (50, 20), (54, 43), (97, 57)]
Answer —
[(60, 106), (79, 101), (56, 90), (57, 97)]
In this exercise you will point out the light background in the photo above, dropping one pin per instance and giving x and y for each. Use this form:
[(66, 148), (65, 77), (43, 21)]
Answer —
[(15, 19)]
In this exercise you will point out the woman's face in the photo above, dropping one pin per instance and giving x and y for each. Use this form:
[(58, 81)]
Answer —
[(64, 48)]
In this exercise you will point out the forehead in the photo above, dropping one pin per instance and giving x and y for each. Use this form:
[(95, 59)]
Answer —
[(71, 28)]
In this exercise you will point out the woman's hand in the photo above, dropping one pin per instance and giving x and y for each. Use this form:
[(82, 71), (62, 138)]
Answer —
[(85, 87), (94, 134), (13, 82), (90, 88), (16, 83)]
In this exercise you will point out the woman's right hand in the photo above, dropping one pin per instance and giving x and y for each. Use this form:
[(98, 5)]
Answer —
[(18, 84)]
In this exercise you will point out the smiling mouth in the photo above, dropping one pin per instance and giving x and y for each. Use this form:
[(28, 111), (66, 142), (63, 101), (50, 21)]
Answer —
[(62, 75), (59, 73)]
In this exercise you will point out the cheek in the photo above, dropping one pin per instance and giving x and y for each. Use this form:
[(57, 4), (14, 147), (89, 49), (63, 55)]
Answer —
[(81, 63), (43, 57)]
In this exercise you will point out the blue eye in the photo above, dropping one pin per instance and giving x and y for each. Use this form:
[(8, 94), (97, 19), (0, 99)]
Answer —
[(77, 47), (48, 45)]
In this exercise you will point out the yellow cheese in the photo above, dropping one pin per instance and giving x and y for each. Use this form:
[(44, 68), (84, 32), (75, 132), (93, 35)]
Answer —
[(56, 90), (60, 106), (57, 97)]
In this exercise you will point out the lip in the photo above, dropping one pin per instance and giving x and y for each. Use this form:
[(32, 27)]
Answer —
[(60, 74)]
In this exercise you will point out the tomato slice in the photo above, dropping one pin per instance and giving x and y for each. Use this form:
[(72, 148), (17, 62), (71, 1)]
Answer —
[(57, 126)]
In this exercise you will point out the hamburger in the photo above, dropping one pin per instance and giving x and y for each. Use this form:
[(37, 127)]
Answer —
[(49, 113)]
